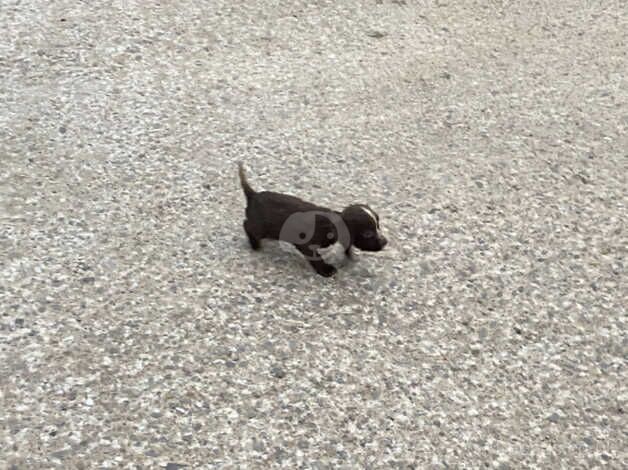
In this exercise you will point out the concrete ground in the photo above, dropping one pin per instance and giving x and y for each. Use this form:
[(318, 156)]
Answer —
[(137, 328)]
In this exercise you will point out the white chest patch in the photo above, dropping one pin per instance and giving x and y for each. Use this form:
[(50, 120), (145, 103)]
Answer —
[(333, 254)]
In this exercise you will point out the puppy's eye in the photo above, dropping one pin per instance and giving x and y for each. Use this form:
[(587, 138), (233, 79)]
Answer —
[(330, 235), (302, 235), (368, 234)]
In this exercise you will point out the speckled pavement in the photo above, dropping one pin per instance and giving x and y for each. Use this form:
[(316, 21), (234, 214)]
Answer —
[(137, 328)]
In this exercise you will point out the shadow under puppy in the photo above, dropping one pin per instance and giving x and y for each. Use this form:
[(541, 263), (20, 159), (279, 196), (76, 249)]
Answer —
[(319, 233)]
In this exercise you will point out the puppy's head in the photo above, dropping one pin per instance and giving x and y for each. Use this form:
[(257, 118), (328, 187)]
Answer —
[(363, 224)]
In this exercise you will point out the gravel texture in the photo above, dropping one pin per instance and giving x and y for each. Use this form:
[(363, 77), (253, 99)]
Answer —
[(137, 328)]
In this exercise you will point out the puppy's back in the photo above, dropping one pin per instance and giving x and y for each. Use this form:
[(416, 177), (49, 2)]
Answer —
[(273, 209)]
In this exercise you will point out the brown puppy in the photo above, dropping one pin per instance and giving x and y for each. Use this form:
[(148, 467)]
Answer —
[(314, 230)]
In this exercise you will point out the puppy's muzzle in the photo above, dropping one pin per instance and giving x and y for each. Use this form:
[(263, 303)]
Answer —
[(382, 242)]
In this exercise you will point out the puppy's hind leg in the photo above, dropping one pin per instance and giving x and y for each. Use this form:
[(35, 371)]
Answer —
[(253, 233)]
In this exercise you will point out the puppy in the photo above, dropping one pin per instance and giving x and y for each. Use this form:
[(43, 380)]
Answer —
[(317, 232)]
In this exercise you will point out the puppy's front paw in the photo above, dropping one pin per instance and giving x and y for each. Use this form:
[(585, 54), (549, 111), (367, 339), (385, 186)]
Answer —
[(324, 269), (327, 271)]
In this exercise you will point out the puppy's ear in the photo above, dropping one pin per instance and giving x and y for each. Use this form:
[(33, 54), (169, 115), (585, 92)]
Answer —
[(350, 217)]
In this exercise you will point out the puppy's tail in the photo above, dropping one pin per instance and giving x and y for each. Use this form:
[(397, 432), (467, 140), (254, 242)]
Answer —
[(248, 191)]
